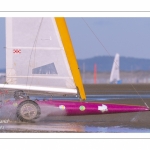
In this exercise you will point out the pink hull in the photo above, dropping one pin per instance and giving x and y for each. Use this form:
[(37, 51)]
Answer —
[(57, 107), (89, 108)]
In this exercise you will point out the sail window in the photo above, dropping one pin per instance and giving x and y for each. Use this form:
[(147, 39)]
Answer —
[(46, 69)]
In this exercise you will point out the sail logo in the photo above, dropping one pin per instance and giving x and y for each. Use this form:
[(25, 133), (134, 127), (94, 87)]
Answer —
[(17, 51), (62, 107), (103, 108), (82, 108)]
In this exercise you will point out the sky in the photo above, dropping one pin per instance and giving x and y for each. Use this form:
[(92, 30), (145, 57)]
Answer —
[(127, 36), (91, 37)]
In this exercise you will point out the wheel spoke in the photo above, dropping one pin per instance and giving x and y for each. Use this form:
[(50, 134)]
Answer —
[(29, 111)]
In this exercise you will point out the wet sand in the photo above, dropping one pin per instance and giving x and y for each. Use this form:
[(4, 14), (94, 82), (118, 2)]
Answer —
[(78, 124), (97, 89)]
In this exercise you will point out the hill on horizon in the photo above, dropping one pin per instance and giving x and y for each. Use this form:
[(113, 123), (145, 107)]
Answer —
[(104, 64)]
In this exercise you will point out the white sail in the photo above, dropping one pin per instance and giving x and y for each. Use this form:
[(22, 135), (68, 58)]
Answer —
[(115, 73), (35, 56)]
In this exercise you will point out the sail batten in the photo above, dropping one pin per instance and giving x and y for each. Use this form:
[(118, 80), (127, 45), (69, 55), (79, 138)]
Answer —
[(40, 77), (29, 48), (35, 55)]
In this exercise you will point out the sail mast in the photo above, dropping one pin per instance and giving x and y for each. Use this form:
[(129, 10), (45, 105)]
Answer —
[(66, 40)]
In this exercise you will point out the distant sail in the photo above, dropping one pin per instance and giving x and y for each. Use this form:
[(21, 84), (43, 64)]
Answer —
[(35, 56), (115, 73)]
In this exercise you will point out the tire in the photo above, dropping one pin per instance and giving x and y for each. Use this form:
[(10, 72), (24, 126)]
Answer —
[(28, 110)]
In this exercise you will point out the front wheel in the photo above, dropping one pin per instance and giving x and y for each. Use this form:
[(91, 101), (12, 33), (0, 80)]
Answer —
[(28, 110)]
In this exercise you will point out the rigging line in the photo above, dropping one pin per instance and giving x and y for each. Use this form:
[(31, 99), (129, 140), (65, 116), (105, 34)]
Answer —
[(33, 62), (33, 65), (34, 56), (34, 46), (140, 96), (115, 61), (96, 37)]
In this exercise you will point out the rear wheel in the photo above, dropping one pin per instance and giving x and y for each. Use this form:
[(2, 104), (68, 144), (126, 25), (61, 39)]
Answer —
[(28, 110)]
